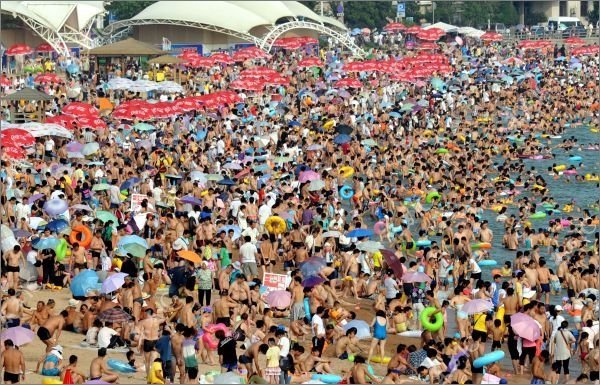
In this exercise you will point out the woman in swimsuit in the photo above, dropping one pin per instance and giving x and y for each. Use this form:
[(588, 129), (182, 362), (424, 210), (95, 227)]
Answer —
[(379, 325)]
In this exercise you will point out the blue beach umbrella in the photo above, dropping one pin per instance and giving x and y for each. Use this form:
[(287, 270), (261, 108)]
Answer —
[(83, 282)]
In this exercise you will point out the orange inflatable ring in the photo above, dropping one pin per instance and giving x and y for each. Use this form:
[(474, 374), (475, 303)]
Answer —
[(86, 236)]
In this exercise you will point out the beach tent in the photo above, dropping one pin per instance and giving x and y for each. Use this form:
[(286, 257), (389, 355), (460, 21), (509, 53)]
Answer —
[(448, 28), (470, 31)]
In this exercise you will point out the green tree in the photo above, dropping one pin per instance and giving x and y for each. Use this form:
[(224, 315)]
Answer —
[(122, 10), (370, 14)]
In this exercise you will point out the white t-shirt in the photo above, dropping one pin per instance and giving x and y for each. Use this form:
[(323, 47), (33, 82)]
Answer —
[(104, 336), (318, 328), (429, 363), (248, 253), (475, 266), (390, 288), (284, 346)]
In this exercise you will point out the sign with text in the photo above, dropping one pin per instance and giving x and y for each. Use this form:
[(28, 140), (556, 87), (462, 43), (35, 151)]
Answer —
[(401, 10), (273, 281), (136, 201)]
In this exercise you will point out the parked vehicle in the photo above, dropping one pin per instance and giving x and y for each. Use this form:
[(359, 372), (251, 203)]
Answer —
[(562, 23), (575, 30), (500, 28), (538, 30)]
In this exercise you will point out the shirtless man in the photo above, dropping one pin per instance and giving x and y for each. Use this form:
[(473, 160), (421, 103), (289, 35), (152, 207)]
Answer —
[(359, 373), (486, 235), (544, 277), (224, 279), (12, 260), (12, 309), (250, 356), (39, 316), (177, 347), (347, 345), (138, 301), (13, 363), (99, 369), (222, 308), (297, 309), (537, 368), (531, 273), (78, 261), (54, 324), (187, 313), (239, 291), (149, 333), (511, 304)]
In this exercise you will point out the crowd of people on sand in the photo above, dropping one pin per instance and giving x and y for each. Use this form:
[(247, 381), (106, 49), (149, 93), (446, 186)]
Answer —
[(380, 237)]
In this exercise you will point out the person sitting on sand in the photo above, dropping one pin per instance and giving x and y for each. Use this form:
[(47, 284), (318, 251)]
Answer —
[(70, 374), (99, 369), (347, 345), (359, 373), (315, 363)]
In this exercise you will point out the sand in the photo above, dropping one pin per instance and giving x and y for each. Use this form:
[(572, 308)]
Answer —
[(70, 342)]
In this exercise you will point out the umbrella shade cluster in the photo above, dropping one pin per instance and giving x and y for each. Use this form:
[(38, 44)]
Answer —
[(18, 49), (491, 37), (394, 27), (249, 53), (586, 50), (294, 42), (535, 44), (310, 62), (431, 34), (49, 78)]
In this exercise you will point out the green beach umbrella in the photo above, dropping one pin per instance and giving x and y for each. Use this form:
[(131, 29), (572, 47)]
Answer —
[(101, 187), (106, 216)]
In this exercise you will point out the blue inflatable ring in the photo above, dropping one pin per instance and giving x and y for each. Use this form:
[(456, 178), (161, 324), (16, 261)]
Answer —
[(346, 192)]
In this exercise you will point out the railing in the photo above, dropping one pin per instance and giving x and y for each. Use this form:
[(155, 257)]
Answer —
[(554, 35)]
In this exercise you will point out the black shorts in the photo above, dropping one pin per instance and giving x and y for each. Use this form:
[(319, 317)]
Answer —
[(244, 359), (14, 378), (594, 375), (483, 335), (476, 275), (224, 320), (44, 334), (37, 264), (496, 345), (12, 269), (545, 287), (149, 345), (95, 254), (297, 245), (80, 266), (475, 370)]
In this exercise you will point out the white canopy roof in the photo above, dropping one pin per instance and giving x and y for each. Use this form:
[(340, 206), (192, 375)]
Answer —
[(238, 16), (443, 26), (56, 13)]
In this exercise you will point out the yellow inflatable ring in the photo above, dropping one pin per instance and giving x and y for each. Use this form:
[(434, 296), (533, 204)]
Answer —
[(275, 225), (560, 167), (51, 380), (379, 360), (346, 171)]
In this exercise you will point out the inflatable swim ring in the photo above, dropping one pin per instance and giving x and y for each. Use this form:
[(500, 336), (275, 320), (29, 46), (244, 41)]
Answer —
[(61, 250), (327, 378), (431, 196), (489, 358), (560, 167), (379, 227), (346, 192), (592, 178), (411, 333), (86, 236), (423, 243), (441, 151), (306, 308), (210, 341), (346, 172), (538, 215), (51, 380), (425, 319), (575, 158), (570, 172), (379, 360), (487, 262), (275, 225), (120, 366), (481, 245)]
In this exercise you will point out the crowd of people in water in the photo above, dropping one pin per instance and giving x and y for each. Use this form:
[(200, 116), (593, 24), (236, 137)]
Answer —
[(391, 232)]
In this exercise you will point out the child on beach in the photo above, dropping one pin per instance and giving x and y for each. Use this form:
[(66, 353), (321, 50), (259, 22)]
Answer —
[(272, 371), (497, 335)]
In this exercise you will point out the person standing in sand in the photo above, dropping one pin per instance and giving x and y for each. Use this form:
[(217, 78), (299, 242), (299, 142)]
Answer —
[(12, 309), (12, 260), (54, 324), (149, 333), (13, 364)]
